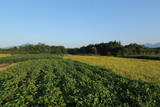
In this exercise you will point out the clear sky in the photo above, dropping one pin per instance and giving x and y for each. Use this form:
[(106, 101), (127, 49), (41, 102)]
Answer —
[(74, 23)]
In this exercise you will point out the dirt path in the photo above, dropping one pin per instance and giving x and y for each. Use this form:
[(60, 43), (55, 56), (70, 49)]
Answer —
[(5, 66)]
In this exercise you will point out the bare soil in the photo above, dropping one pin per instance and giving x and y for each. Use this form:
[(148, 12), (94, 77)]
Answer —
[(5, 66)]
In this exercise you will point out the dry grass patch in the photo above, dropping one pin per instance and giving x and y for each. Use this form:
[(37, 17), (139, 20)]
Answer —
[(4, 55)]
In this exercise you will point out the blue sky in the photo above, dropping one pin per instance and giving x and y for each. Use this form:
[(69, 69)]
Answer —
[(74, 23)]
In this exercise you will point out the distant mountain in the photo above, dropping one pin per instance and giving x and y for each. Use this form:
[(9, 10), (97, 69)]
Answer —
[(156, 45)]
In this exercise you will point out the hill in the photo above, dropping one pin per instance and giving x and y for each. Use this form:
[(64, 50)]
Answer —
[(156, 45)]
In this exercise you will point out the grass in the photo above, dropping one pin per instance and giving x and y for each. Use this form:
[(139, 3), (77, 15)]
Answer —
[(138, 69), (4, 55)]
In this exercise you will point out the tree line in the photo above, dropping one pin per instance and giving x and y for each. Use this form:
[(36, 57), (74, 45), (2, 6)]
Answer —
[(35, 49), (115, 48), (112, 48)]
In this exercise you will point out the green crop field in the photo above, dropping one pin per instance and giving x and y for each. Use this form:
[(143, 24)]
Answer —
[(20, 58), (49, 81), (138, 69)]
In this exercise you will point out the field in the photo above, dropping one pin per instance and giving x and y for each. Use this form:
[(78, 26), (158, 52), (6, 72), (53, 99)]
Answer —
[(138, 69), (49, 80), (4, 55)]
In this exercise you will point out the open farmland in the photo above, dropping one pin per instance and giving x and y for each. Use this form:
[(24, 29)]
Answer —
[(138, 69), (80, 53), (54, 81)]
